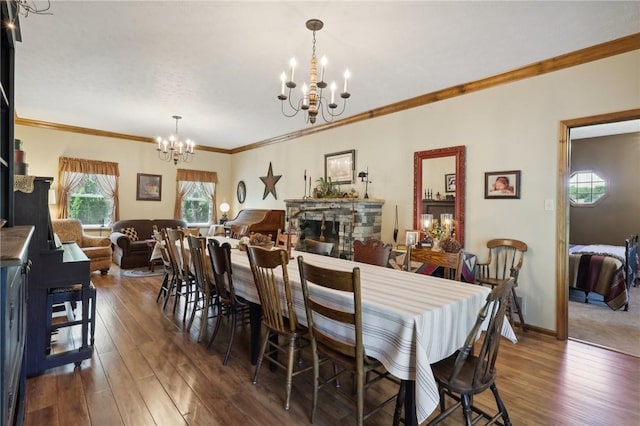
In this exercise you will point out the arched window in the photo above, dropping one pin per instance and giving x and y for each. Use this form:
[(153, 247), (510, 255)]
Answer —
[(586, 188)]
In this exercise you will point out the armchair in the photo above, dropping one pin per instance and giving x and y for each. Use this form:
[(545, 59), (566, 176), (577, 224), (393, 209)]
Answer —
[(97, 249)]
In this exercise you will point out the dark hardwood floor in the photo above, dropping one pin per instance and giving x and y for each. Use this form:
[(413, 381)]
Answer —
[(147, 370)]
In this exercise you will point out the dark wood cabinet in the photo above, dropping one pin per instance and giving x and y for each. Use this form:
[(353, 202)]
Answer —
[(14, 269), (8, 38), (438, 207)]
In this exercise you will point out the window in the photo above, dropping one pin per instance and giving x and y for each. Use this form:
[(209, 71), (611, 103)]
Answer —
[(89, 203), (586, 188), (88, 191), (197, 204), (196, 197)]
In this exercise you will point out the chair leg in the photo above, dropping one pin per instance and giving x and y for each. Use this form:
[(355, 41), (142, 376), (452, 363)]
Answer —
[(172, 287), (316, 380), (360, 398), (217, 327), (163, 287), (466, 408), (234, 322), (189, 293), (500, 404), (289, 384), (399, 403), (263, 349), (520, 314), (204, 317), (193, 313)]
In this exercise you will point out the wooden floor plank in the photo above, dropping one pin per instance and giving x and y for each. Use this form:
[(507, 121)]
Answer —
[(103, 409), (125, 392), (147, 369), (72, 405), (159, 403)]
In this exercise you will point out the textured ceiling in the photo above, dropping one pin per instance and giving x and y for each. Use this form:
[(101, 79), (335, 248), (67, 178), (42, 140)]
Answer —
[(128, 66)]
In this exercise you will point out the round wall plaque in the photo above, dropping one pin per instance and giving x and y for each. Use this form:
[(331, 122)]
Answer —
[(241, 191)]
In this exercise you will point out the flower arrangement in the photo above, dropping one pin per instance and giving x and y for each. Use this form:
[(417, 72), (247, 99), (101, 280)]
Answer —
[(436, 231)]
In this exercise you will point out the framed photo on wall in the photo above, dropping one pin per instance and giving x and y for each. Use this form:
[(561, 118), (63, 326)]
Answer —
[(340, 166), (450, 182), (149, 187), (502, 184)]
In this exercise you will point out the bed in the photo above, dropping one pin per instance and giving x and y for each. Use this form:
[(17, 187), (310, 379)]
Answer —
[(606, 270)]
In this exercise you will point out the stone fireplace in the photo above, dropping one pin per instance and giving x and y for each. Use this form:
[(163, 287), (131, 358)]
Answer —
[(337, 220)]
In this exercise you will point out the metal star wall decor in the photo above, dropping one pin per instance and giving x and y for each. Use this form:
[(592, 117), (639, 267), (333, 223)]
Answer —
[(270, 183)]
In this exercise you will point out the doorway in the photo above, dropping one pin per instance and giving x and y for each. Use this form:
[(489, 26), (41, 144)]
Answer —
[(567, 129)]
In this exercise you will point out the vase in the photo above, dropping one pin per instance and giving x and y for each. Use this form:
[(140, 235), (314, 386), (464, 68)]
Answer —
[(435, 245)]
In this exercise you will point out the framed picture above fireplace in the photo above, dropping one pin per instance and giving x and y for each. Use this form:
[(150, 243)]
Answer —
[(340, 166)]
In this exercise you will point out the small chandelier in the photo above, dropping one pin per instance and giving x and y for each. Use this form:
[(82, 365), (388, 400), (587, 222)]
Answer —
[(312, 100), (173, 149)]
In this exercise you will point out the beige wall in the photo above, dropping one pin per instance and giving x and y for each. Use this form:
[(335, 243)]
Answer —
[(510, 127), (616, 159), (44, 147)]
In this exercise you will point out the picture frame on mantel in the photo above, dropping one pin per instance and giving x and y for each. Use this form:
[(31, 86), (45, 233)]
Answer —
[(340, 167), (149, 187)]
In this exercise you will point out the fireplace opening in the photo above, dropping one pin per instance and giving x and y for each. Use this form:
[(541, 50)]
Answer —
[(312, 229)]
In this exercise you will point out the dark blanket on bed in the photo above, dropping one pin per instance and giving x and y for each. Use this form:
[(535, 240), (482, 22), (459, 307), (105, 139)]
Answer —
[(596, 275)]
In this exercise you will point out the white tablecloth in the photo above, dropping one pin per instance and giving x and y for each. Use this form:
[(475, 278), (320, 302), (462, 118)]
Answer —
[(409, 320)]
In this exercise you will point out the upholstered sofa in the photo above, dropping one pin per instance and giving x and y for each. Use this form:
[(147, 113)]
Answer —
[(130, 249), (97, 249)]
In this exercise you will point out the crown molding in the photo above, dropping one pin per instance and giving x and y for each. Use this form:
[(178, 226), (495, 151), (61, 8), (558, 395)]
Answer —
[(96, 132)]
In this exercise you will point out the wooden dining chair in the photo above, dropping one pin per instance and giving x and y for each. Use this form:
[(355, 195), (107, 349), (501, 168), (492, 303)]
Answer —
[(318, 247), (281, 239), (238, 231), (184, 283), (269, 269), (505, 260), (169, 273), (373, 252), (206, 293), (463, 375), (227, 302), (347, 353), (431, 259)]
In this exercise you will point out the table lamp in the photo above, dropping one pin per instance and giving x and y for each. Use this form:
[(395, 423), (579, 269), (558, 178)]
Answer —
[(446, 219), (426, 220), (224, 208)]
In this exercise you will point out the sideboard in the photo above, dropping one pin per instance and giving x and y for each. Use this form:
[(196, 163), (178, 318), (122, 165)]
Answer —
[(14, 269)]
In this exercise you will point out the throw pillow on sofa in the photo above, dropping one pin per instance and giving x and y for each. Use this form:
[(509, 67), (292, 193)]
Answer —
[(131, 233)]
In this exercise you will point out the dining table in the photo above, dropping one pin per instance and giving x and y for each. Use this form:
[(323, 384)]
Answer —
[(409, 320)]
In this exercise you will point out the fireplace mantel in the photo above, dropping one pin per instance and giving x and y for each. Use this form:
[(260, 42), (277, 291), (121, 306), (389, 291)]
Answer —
[(359, 218)]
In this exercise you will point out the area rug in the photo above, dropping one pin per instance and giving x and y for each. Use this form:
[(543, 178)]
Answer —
[(141, 272), (596, 323)]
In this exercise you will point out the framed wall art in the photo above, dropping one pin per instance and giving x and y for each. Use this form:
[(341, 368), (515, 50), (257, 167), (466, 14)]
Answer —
[(502, 184), (450, 182), (340, 166), (149, 187), (241, 192)]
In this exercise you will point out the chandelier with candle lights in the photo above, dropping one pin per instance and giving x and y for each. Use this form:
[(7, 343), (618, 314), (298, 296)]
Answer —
[(174, 149), (313, 100)]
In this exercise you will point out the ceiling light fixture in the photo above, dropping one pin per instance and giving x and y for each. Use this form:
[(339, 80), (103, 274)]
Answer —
[(173, 149), (312, 100)]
